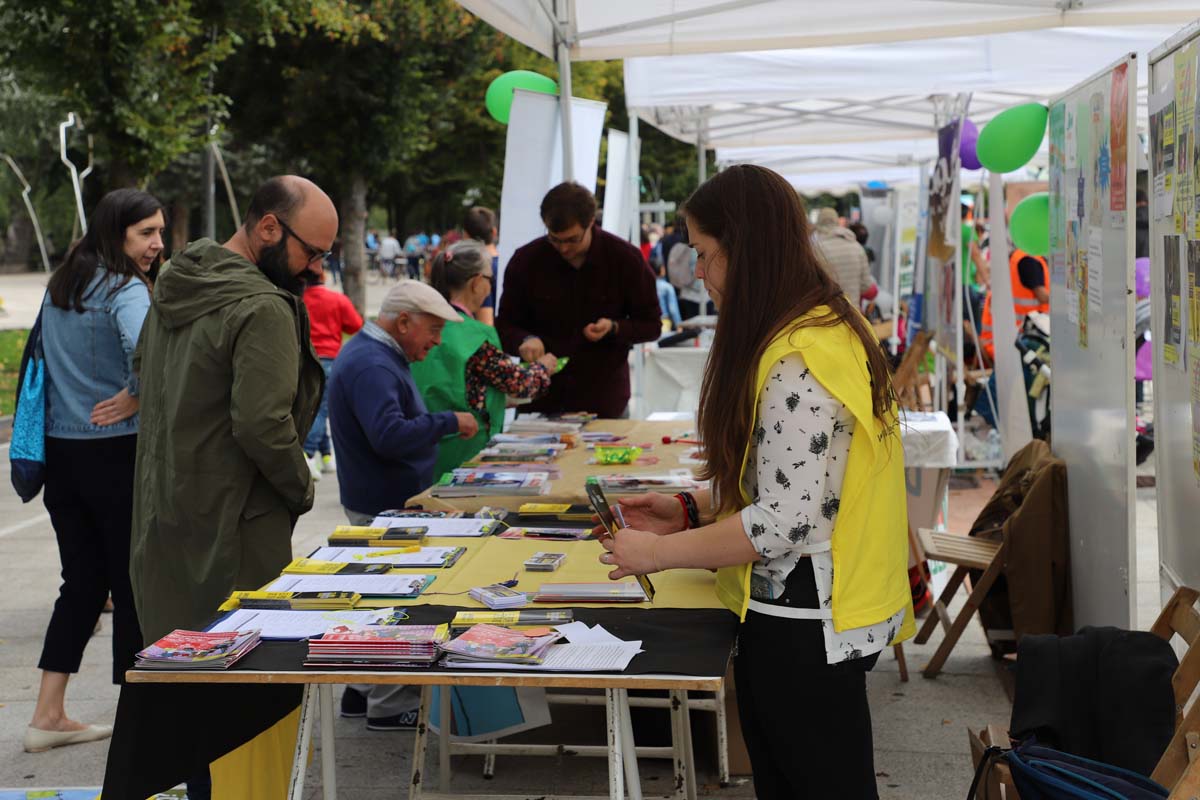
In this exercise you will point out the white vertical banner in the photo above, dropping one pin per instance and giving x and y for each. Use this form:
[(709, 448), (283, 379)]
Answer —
[(616, 189), (533, 164), (1012, 417)]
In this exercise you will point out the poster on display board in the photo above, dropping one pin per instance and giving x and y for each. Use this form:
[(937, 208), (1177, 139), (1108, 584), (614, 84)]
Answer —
[(1118, 136), (908, 214), (943, 274), (1091, 314), (1172, 336)]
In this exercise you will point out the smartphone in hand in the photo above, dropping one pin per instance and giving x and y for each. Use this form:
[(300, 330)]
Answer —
[(613, 521)]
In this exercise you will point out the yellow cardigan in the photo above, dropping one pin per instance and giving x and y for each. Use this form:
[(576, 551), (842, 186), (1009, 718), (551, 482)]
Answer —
[(870, 536)]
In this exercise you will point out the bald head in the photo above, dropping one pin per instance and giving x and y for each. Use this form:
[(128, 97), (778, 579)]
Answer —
[(300, 204), (289, 225)]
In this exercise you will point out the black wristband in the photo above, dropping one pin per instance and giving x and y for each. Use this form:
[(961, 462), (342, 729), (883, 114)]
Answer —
[(693, 511)]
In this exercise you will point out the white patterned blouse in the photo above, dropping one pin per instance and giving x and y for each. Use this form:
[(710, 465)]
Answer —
[(799, 451)]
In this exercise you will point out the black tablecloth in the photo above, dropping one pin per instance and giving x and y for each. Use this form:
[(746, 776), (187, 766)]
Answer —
[(167, 732)]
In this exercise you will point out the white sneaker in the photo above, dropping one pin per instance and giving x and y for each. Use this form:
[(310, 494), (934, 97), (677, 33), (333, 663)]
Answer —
[(327, 463), (314, 467)]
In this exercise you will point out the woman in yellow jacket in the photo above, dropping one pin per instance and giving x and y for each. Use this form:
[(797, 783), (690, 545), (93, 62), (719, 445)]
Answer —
[(806, 519)]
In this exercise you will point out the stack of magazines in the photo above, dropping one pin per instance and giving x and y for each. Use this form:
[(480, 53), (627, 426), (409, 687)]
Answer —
[(639, 484), (468, 483), (182, 649), (493, 644), (377, 646)]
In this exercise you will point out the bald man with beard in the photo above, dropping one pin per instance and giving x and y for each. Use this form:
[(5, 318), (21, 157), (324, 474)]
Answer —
[(230, 386)]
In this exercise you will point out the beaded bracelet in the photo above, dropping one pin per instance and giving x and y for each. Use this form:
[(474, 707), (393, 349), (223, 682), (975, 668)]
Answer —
[(693, 511)]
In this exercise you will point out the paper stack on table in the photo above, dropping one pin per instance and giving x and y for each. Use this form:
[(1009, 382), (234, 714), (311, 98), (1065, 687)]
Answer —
[(496, 646), (294, 625), (196, 650), (462, 526), (639, 484), (485, 482), (392, 585), (396, 646), (588, 650), (427, 557)]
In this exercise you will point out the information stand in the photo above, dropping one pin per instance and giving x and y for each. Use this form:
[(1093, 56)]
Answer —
[(1092, 183)]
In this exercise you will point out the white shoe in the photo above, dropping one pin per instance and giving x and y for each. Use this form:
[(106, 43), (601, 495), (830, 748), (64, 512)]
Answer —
[(327, 463), (37, 740), (314, 467)]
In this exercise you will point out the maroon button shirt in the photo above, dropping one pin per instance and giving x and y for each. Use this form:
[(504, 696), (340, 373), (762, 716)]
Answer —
[(545, 296)]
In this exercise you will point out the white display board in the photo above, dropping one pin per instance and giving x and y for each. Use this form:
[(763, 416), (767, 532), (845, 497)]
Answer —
[(533, 164), (1092, 183), (1175, 331), (615, 219)]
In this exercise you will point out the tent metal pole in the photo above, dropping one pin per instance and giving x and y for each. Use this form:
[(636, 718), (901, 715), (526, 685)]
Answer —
[(701, 159), (564, 89), (633, 195)]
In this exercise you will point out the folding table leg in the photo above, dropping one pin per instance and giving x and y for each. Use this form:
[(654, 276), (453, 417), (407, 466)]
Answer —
[(444, 739), (974, 599), (633, 779), (902, 661), (420, 743), (308, 708), (722, 737), (489, 763), (616, 761), (328, 759), (685, 723)]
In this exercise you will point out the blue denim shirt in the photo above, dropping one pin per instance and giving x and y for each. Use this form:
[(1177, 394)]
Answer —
[(89, 355)]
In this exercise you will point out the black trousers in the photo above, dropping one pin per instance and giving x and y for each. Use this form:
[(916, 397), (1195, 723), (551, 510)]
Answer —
[(89, 494), (806, 723)]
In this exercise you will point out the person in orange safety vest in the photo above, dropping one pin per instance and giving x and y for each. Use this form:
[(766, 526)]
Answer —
[(1030, 278)]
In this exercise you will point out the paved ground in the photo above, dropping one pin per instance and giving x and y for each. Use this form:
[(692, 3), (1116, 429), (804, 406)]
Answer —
[(21, 295), (920, 740)]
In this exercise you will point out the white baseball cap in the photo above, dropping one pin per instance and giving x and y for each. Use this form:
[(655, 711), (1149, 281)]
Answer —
[(417, 298)]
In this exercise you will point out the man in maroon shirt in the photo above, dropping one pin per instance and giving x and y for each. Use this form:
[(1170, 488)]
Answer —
[(580, 292)]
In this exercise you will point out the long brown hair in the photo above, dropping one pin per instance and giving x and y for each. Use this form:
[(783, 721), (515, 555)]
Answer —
[(773, 276), (103, 246)]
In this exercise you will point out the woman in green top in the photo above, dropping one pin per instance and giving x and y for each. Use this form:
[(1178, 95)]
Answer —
[(469, 371)]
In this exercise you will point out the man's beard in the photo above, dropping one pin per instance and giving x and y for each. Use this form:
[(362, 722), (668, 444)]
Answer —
[(273, 261)]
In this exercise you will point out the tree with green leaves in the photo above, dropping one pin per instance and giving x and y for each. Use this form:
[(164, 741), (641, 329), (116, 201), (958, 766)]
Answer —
[(353, 112), (140, 74)]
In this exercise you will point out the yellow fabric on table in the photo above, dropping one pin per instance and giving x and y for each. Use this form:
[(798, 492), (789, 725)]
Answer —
[(499, 558), (261, 768), (575, 470)]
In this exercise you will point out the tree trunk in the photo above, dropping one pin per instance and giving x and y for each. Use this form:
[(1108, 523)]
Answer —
[(20, 241), (180, 224), (354, 254)]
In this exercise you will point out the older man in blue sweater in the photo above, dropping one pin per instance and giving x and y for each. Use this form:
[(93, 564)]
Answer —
[(386, 440)]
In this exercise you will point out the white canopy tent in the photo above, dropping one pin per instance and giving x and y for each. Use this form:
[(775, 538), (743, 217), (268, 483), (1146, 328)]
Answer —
[(594, 30), (883, 92)]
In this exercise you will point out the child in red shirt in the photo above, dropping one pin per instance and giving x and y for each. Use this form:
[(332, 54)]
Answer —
[(330, 314)]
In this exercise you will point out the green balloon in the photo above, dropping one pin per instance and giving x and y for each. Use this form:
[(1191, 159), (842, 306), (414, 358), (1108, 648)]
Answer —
[(499, 95), (1030, 224), (1012, 137)]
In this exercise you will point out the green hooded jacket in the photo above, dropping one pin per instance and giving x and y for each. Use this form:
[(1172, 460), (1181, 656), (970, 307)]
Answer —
[(229, 387)]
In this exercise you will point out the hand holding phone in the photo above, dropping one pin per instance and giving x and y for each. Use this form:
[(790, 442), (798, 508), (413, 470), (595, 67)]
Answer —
[(613, 521)]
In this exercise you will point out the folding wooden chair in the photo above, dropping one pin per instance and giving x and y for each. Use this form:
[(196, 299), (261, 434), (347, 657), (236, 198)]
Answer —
[(1177, 766), (966, 553)]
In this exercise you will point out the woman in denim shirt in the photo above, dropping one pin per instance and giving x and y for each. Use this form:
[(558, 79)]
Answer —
[(91, 318)]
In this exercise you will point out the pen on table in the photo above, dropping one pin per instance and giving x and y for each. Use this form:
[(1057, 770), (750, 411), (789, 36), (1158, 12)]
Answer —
[(393, 552)]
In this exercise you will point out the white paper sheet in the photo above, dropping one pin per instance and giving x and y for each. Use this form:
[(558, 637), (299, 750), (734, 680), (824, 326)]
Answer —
[(279, 624), (363, 584), (426, 557), (573, 658), (464, 526), (579, 633)]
